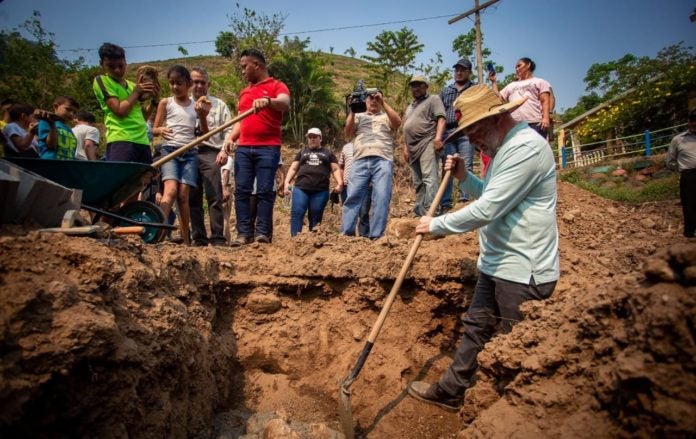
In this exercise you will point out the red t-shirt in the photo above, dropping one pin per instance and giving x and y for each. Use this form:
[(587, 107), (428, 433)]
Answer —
[(262, 128)]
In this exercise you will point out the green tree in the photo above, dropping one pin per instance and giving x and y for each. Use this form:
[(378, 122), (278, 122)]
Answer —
[(350, 52), (311, 87), (250, 29), (395, 53), (465, 47), (656, 93), (436, 74), (32, 73)]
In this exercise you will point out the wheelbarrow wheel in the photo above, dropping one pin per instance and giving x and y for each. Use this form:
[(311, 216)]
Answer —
[(146, 212)]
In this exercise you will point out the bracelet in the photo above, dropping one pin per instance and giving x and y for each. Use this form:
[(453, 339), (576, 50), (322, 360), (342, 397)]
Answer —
[(269, 100)]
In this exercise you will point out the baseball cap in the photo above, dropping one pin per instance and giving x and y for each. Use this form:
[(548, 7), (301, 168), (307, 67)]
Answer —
[(418, 78), (463, 63), (315, 131)]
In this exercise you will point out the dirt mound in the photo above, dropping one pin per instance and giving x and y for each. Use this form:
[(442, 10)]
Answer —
[(118, 338)]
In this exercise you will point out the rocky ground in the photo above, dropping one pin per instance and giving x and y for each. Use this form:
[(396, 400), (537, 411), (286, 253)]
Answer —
[(115, 338)]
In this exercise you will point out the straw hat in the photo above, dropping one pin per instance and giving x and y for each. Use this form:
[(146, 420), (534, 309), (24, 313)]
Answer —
[(479, 102)]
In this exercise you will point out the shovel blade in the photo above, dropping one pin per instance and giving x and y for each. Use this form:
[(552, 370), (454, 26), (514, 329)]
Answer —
[(345, 413)]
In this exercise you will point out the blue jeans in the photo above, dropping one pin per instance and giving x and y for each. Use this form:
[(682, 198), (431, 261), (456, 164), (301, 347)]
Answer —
[(424, 176), (364, 215), (303, 201), (365, 171), (260, 163), (465, 149)]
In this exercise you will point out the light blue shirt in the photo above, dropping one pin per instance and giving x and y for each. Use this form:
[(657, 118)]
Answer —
[(515, 211)]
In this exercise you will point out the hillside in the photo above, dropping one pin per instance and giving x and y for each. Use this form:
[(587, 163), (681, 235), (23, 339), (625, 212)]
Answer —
[(226, 82)]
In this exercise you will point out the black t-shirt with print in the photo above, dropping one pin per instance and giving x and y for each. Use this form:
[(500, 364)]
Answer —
[(315, 169)]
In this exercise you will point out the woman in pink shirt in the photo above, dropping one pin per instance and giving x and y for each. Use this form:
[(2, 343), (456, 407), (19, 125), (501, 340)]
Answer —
[(536, 110)]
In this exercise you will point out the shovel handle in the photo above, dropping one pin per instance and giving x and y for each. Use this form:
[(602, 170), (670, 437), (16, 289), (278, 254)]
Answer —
[(128, 230), (395, 289), (203, 138)]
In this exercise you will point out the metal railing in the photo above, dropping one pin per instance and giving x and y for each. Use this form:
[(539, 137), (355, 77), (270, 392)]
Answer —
[(644, 144)]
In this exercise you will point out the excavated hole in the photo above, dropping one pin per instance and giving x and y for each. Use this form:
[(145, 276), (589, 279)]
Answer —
[(296, 341)]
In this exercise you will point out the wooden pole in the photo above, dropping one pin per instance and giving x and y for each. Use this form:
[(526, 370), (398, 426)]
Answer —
[(479, 54)]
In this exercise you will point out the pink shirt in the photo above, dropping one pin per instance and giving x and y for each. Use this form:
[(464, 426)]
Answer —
[(531, 89)]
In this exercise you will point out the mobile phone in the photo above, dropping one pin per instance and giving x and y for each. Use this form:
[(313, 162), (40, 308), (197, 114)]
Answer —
[(491, 69)]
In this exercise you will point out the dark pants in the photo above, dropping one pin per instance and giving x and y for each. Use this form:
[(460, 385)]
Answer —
[(210, 181), (258, 163), (537, 127), (687, 193), (496, 301)]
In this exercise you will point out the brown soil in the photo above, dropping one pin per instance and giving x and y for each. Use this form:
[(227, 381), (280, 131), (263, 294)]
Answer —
[(122, 339)]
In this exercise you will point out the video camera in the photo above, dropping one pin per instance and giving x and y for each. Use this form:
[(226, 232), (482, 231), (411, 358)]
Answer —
[(356, 100)]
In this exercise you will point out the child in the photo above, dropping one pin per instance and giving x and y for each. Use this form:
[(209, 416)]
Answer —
[(176, 123), (56, 139), (126, 132), (87, 136), (20, 132)]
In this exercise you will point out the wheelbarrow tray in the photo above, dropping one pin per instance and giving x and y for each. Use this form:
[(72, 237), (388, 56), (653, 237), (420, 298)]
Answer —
[(103, 184)]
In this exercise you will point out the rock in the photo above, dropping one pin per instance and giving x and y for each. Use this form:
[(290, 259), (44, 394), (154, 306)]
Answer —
[(260, 303), (647, 171), (568, 217), (640, 177), (690, 275), (648, 223), (279, 429), (658, 270), (683, 254), (619, 172), (321, 431), (609, 184)]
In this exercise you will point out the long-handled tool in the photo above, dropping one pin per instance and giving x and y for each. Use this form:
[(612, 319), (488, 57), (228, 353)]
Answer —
[(344, 393), (203, 138)]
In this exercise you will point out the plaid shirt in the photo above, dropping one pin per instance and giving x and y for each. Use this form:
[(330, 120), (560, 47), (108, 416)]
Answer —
[(448, 95)]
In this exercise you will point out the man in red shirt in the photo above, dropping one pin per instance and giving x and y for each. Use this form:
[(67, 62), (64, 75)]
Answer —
[(257, 139)]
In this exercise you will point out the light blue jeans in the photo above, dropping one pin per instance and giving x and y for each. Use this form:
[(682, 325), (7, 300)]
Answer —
[(366, 170), (424, 176), (465, 149)]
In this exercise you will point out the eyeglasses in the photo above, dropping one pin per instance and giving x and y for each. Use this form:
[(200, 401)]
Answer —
[(199, 82)]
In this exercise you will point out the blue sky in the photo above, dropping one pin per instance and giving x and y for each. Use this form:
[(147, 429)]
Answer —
[(564, 37)]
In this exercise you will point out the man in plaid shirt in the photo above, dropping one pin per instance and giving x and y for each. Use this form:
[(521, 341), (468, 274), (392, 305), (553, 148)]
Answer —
[(461, 146)]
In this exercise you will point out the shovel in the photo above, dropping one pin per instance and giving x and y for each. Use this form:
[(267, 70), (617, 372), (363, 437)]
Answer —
[(203, 138), (344, 406)]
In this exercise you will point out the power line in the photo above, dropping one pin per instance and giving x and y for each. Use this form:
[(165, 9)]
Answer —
[(357, 26)]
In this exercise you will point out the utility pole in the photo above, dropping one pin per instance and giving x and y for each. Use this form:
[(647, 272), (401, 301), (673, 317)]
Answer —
[(477, 22)]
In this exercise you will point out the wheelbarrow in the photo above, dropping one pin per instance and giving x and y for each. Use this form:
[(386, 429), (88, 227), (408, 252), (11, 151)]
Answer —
[(106, 185)]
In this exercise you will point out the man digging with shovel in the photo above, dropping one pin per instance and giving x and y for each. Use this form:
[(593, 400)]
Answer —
[(515, 212)]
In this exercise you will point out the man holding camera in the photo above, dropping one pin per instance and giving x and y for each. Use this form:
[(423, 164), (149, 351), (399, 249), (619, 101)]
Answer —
[(373, 163), (424, 125)]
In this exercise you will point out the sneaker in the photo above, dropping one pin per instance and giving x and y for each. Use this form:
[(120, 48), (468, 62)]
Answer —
[(434, 394), (240, 240), (263, 239)]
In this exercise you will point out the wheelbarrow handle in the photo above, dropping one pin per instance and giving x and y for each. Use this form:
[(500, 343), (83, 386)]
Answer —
[(203, 138)]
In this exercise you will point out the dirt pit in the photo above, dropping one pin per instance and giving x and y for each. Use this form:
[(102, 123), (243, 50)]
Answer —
[(123, 339)]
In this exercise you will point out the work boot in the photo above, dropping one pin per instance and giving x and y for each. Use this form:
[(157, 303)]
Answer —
[(240, 240), (434, 394), (263, 239)]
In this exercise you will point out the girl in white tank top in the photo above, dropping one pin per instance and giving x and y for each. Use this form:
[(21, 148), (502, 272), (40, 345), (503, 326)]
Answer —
[(176, 121)]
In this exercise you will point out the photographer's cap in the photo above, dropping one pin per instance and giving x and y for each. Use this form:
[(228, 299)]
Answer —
[(315, 131), (465, 63), (418, 79)]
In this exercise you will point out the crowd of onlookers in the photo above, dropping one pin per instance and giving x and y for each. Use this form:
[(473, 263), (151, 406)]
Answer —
[(241, 162)]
